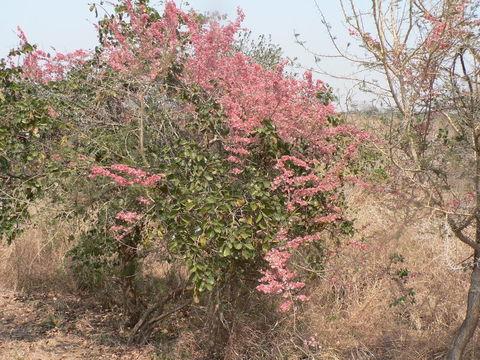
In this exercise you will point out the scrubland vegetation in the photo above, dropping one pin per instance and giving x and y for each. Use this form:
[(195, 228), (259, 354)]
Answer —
[(177, 194)]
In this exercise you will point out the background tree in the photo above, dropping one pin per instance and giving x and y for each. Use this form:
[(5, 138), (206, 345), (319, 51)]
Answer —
[(427, 56)]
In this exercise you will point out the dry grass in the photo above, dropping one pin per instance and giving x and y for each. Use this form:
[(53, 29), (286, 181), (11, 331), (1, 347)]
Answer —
[(36, 260), (353, 310)]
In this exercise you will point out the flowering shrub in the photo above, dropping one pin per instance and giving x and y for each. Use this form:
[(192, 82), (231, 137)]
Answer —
[(41, 66), (241, 165), (138, 176), (273, 182)]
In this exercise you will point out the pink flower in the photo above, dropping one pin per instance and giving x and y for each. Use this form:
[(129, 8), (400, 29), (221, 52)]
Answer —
[(40, 66), (234, 159), (116, 228), (312, 341), (236, 171), (128, 216), (136, 176), (51, 111), (121, 231), (285, 306), (144, 201), (152, 180), (358, 244)]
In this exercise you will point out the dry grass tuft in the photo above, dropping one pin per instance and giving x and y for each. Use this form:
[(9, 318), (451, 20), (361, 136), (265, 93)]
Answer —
[(36, 261)]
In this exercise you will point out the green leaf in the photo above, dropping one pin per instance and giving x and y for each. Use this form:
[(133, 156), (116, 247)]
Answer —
[(4, 165), (226, 252), (249, 246)]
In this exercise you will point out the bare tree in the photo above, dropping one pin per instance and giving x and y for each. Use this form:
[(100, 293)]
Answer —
[(427, 52)]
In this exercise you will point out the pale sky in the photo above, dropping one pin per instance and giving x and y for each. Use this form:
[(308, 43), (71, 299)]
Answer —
[(68, 25)]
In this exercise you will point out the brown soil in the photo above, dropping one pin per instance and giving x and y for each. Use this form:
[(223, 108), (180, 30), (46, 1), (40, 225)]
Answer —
[(49, 327)]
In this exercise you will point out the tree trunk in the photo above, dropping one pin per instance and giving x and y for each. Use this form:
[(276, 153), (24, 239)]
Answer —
[(465, 332), (467, 329)]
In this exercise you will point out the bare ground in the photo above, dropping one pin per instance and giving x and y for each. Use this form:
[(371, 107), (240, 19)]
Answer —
[(45, 327)]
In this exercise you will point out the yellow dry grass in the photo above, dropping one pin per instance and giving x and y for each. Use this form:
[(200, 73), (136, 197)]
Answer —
[(36, 260), (353, 309)]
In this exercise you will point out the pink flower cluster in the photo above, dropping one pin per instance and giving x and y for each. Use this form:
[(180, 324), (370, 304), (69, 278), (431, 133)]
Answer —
[(136, 176), (359, 245), (448, 26), (278, 279), (43, 67), (144, 201), (121, 231), (247, 92), (157, 44), (312, 341), (445, 32), (128, 217)]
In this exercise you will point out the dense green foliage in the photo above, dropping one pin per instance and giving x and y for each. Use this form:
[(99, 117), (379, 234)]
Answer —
[(26, 133)]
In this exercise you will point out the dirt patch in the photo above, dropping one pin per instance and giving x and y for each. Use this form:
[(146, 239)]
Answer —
[(67, 327)]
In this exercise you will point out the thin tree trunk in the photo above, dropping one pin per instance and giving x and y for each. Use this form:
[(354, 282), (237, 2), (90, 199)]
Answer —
[(465, 332), (152, 316)]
